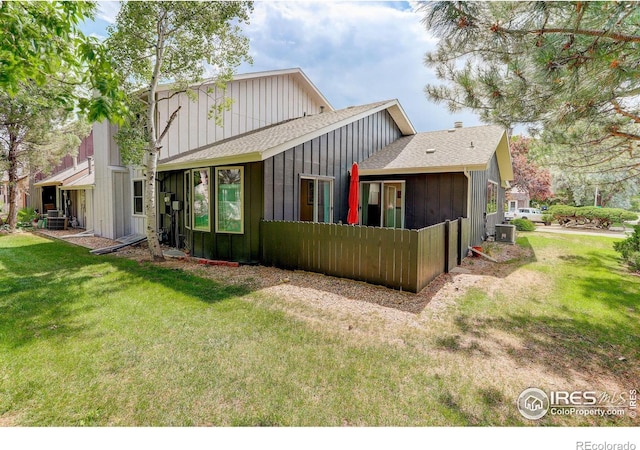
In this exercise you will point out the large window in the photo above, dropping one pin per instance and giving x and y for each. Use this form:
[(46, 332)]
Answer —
[(382, 204), (492, 197), (200, 199), (138, 197), (230, 200), (316, 199)]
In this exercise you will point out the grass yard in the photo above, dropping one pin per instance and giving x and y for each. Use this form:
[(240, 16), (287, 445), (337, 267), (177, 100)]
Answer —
[(100, 340)]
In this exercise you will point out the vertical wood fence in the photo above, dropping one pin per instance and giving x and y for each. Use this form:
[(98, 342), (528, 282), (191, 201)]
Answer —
[(400, 259)]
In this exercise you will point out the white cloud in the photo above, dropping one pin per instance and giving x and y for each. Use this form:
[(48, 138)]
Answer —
[(108, 10), (355, 53)]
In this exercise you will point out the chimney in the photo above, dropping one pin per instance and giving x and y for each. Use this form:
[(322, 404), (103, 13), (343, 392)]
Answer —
[(457, 124), (321, 109), (90, 164)]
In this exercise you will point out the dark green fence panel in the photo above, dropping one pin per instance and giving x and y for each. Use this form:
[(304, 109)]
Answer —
[(401, 259), (430, 254), (452, 248), (466, 237)]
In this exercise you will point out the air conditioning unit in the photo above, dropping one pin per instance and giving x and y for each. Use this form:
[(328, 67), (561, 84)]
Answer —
[(506, 233)]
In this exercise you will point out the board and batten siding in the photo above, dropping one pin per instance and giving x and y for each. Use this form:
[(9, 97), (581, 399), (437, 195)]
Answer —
[(481, 224), (243, 247), (330, 155), (257, 102), (430, 198), (112, 193)]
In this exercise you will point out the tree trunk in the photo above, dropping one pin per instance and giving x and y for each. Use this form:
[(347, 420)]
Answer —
[(151, 164), (12, 219), (150, 206)]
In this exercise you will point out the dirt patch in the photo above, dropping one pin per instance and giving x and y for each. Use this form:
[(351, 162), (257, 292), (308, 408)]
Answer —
[(9, 420), (71, 236)]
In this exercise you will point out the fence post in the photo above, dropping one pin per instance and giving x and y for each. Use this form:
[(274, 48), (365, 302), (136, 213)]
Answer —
[(459, 240), (447, 231)]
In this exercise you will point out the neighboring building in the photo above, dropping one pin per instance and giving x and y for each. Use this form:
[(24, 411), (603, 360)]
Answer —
[(517, 198), (69, 188), (22, 196)]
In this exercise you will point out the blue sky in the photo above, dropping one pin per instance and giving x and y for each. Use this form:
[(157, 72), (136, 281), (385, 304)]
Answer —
[(354, 52)]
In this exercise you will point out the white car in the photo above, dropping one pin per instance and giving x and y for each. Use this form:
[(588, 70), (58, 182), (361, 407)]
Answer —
[(508, 215), (533, 214)]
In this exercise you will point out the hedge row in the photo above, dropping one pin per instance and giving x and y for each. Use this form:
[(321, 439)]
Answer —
[(581, 215)]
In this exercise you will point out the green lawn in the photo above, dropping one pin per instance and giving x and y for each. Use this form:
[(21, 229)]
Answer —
[(100, 340)]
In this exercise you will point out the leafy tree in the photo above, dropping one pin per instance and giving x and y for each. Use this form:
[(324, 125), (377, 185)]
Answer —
[(528, 175), (41, 43), (172, 41), (49, 73), (579, 188), (36, 130), (570, 70)]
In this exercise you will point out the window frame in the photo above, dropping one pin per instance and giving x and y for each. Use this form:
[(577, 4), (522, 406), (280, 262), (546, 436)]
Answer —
[(494, 194), (187, 200), (193, 209), (382, 197), (218, 207), (134, 196), (316, 179)]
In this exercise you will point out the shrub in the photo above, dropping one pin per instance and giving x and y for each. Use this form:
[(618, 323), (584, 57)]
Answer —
[(547, 219), (630, 249), (523, 224), (26, 216), (600, 217)]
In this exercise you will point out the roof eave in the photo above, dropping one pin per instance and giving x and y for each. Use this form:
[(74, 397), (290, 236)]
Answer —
[(402, 120), (79, 187), (503, 156), (47, 183), (207, 162), (419, 170)]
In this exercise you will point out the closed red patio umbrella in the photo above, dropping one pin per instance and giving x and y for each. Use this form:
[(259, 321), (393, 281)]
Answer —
[(354, 195)]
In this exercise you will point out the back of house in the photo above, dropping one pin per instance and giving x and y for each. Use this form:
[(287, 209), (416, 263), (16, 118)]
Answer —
[(281, 152)]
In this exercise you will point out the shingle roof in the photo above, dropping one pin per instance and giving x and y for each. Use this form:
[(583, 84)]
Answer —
[(87, 181), (457, 149), (266, 142), (66, 176)]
